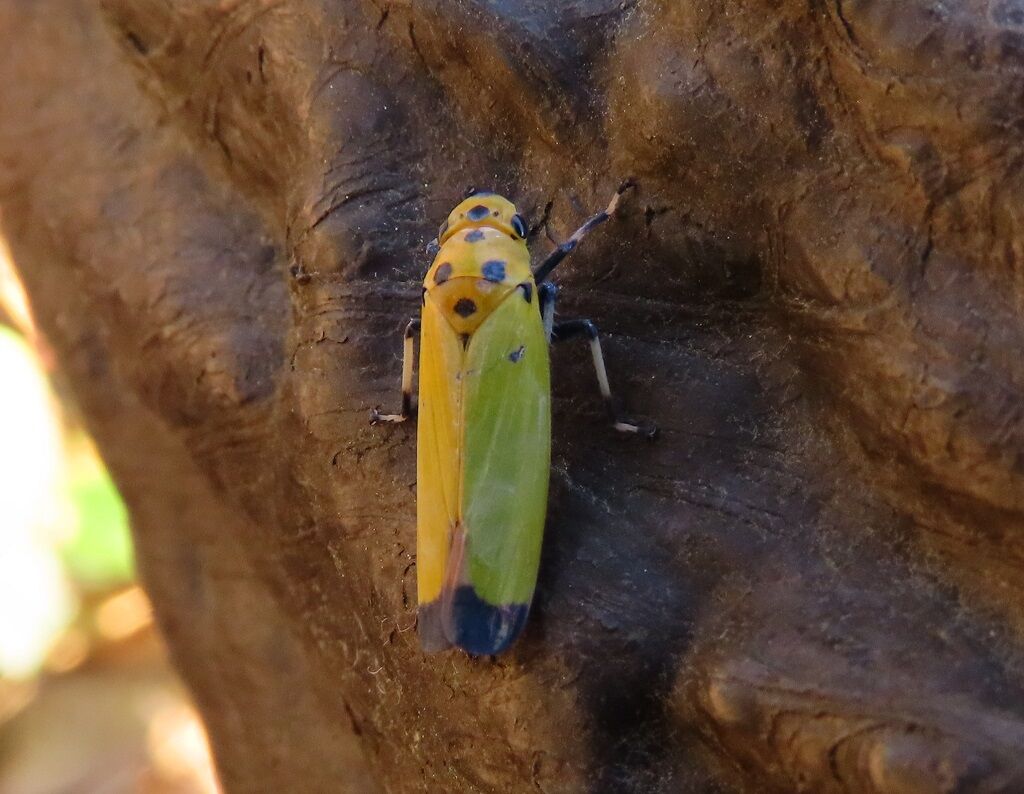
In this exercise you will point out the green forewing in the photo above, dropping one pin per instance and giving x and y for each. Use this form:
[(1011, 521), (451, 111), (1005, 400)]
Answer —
[(506, 451)]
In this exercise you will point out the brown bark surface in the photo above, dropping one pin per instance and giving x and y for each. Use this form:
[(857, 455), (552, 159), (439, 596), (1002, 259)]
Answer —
[(813, 581)]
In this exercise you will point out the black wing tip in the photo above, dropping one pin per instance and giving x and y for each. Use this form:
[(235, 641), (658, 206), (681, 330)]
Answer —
[(480, 628), (430, 628)]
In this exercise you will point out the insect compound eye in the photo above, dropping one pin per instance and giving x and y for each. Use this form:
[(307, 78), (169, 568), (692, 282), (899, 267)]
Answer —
[(519, 225)]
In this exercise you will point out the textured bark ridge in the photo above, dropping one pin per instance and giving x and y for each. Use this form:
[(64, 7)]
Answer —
[(814, 580)]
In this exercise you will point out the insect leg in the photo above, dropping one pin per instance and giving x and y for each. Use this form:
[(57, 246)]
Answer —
[(547, 293), (407, 364), (562, 251), (571, 328)]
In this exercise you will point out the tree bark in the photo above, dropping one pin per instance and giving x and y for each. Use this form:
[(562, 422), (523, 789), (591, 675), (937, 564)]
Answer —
[(813, 581)]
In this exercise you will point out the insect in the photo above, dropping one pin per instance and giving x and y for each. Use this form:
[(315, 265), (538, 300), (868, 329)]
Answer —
[(484, 408)]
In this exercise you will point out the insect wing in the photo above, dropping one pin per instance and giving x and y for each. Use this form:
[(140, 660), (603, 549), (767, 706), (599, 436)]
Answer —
[(437, 466), (506, 458)]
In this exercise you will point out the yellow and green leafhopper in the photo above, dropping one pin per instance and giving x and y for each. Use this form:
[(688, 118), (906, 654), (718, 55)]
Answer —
[(484, 407)]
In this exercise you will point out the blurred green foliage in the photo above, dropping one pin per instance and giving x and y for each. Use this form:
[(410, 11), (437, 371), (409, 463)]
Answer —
[(63, 527), (99, 555)]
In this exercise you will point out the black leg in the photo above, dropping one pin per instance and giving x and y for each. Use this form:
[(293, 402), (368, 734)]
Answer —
[(571, 328), (544, 268), (407, 364)]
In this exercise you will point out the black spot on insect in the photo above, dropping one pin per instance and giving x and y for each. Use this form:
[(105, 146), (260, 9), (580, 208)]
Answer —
[(443, 273), (517, 355), (519, 225), (527, 289), (478, 213), (464, 338), (464, 307), (494, 270), (474, 236)]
